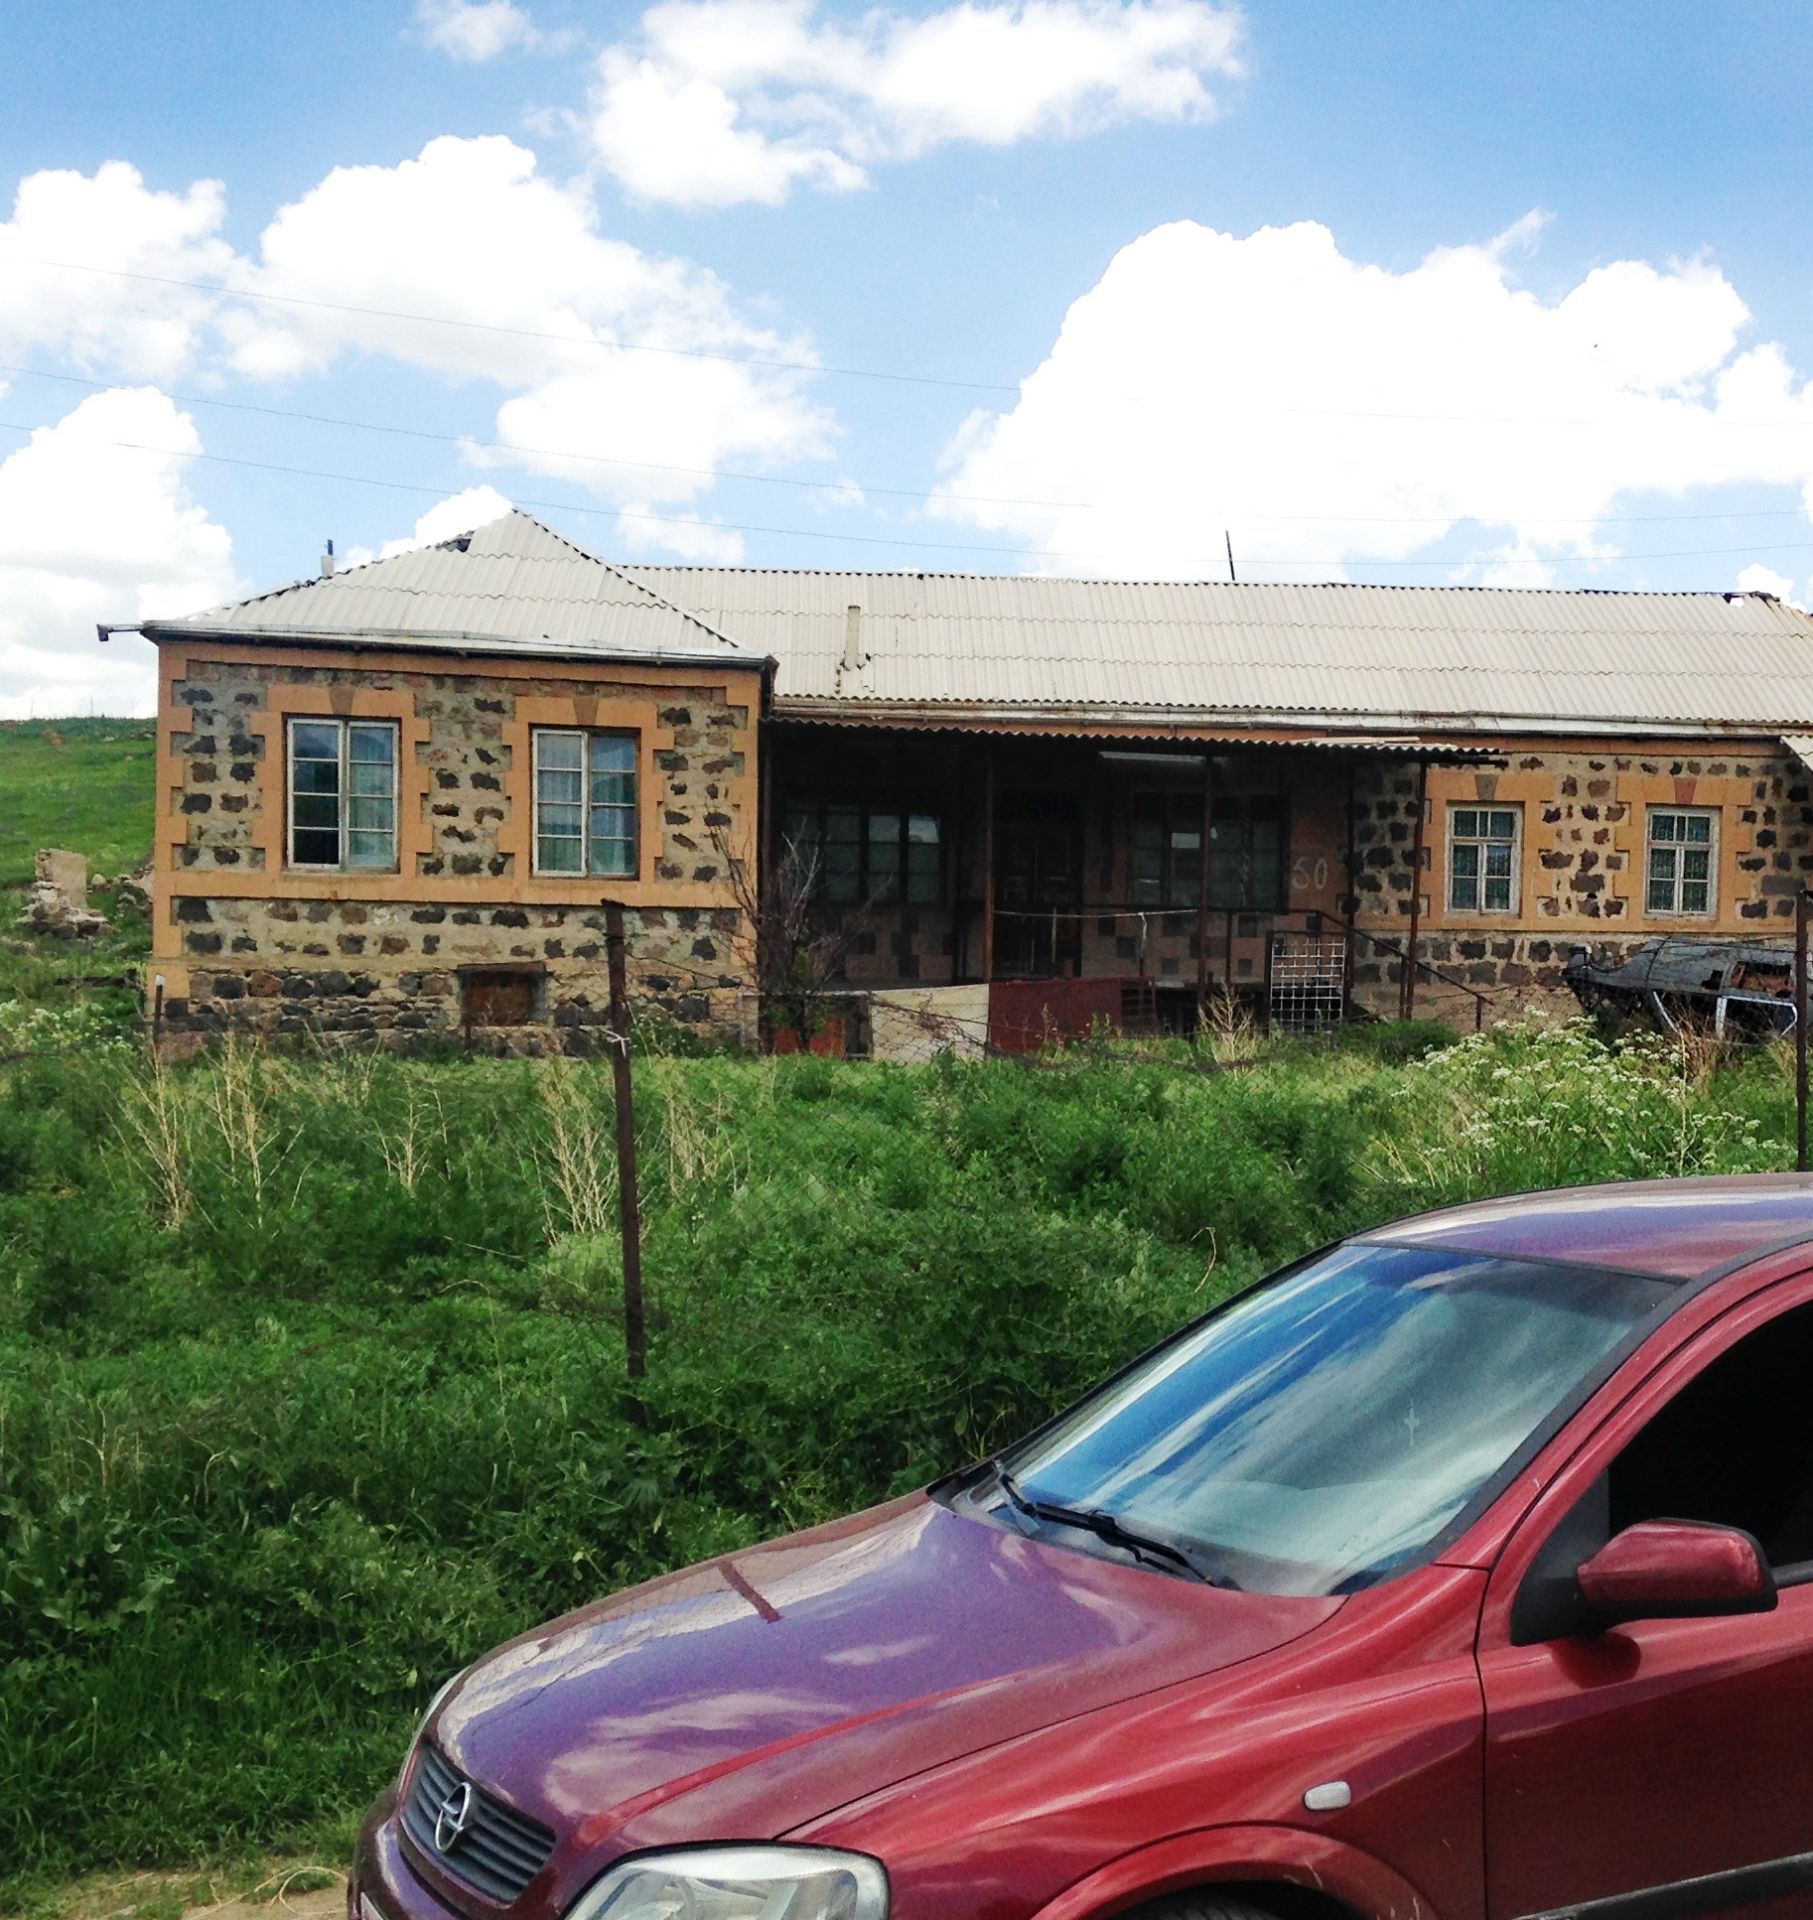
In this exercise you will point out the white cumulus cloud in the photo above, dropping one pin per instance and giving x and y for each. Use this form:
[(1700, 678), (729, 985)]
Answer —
[(91, 530), (86, 263), (1760, 579), (458, 513), (1326, 410), (717, 102)]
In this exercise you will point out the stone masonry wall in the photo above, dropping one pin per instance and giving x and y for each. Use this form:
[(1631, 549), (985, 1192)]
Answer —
[(1584, 830), (245, 945)]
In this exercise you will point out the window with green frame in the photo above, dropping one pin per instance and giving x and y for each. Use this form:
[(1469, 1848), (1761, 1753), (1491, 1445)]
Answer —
[(862, 852), (585, 802)]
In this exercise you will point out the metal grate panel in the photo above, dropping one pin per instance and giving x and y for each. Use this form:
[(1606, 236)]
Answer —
[(496, 1850)]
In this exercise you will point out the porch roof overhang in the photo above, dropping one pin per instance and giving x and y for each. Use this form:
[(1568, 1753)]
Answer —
[(1146, 729)]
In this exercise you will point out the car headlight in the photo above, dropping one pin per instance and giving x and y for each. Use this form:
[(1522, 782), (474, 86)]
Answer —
[(740, 1883), (415, 1739)]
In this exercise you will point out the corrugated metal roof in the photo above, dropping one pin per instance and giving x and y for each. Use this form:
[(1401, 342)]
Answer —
[(1801, 746), (1409, 656), (510, 586)]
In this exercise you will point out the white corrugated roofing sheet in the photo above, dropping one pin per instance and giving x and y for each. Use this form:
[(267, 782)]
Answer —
[(947, 645), (1410, 654), (512, 585)]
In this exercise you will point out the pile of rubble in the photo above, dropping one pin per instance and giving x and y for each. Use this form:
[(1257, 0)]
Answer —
[(56, 903)]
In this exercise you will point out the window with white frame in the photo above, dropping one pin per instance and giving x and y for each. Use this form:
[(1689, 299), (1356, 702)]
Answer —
[(585, 802), (343, 794), (1681, 861), (1484, 844)]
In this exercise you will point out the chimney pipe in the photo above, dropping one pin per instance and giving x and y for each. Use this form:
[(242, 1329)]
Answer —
[(327, 562), (853, 655)]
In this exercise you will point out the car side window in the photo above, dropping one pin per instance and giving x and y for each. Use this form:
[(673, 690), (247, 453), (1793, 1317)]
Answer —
[(1733, 1447)]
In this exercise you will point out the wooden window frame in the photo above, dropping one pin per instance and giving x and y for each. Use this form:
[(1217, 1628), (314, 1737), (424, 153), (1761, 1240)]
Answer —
[(867, 809), (1179, 868), (344, 727), (1481, 839), (538, 737), (1678, 880)]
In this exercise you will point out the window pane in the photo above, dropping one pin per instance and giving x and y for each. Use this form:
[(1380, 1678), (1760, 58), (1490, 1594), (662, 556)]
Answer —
[(843, 824), (1662, 863), (371, 776), (563, 821), (315, 740), (1463, 893), (1696, 896), (369, 849), (1660, 897), (1498, 859), (619, 789), (922, 829), (557, 856), (1696, 864), (1699, 828), (371, 745), (1498, 895), (1504, 825), (557, 784), (370, 816), (1466, 823), (1665, 826), (1466, 859), (613, 753), (613, 857), (316, 776), (317, 810), (312, 848), (559, 750)]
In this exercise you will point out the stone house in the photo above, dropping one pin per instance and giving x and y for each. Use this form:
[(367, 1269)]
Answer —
[(392, 799)]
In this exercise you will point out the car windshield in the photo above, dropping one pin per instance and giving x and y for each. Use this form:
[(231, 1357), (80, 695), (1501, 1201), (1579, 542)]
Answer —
[(1319, 1435)]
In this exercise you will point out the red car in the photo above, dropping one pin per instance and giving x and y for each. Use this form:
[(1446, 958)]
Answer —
[(1463, 1570)]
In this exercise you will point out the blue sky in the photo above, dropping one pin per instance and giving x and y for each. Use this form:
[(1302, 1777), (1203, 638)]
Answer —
[(1506, 295)]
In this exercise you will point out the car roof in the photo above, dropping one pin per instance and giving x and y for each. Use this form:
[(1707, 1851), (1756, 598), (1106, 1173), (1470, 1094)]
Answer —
[(1679, 1229)]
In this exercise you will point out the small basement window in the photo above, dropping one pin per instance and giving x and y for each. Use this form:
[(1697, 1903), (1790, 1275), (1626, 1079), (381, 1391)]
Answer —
[(503, 996)]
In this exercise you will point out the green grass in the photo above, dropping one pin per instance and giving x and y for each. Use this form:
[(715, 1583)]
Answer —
[(311, 1373), (87, 785)]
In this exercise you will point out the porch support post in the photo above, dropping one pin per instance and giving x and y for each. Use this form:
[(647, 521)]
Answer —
[(1407, 985), (1202, 888), (988, 861)]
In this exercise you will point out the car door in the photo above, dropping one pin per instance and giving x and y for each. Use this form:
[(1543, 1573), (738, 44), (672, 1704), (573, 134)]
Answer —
[(1670, 1759)]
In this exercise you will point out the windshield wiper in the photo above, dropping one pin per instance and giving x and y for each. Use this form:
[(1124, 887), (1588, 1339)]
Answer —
[(1104, 1525)]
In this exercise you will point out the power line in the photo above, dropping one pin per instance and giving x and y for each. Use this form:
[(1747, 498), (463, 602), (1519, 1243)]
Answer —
[(553, 453), (779, 364), (841, 487), (771, 362), (939, 546)]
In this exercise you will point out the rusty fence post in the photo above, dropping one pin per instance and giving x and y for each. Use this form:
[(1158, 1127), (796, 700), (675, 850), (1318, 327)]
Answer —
[(629, 1209), (1801, 903)]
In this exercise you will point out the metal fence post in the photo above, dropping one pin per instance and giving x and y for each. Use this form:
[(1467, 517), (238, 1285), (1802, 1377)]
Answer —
[(1801, 902), (629, 1210)]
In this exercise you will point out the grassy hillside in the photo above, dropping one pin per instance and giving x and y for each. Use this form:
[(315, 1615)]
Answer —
[(310, 1372), (83, 784)]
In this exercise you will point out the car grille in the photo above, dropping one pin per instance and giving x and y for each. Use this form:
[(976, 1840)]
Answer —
[(499, 1851)]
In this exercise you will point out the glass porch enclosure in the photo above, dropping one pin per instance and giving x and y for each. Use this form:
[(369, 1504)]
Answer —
[(1167, 869)]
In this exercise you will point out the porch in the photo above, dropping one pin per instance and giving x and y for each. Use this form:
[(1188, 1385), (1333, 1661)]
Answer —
[(1105, 876)]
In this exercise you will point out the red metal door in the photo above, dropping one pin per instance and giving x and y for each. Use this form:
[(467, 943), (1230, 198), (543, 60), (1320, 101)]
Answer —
[(1663, 1753)]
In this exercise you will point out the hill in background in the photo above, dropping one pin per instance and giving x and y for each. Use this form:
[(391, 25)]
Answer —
[(88, 785)]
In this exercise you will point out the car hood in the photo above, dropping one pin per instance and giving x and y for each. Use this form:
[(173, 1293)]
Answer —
[(748, 1694)]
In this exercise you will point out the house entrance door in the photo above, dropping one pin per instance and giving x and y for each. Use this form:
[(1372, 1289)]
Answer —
[(1038, 863)]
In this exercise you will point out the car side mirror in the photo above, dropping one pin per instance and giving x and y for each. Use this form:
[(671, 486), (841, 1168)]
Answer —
[(1676, 1570)]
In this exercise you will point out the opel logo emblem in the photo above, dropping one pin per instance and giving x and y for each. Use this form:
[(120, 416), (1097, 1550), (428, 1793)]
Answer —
[(453, 1818)]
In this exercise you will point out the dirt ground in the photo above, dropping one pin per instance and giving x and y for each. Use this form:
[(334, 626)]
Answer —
[(283, 1890)]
